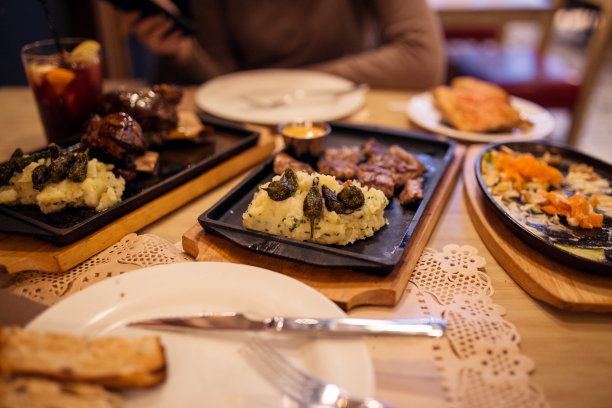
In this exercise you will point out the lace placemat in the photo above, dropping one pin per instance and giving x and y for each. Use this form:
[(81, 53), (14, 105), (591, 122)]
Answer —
[(132, 252), (479, 359)]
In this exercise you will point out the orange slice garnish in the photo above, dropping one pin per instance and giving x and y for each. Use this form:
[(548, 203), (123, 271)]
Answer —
[(59, 78)]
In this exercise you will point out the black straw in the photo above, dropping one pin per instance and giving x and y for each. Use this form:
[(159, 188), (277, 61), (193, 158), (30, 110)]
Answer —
[(54, 33)]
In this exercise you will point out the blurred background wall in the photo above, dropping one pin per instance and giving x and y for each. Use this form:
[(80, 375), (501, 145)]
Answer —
[(23, 21)]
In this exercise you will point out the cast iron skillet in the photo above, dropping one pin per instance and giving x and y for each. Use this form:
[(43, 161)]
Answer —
[(377, 254), (179, 162), (543, 237)]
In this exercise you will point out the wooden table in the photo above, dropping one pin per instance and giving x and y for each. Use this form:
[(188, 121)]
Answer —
[(571, 350)]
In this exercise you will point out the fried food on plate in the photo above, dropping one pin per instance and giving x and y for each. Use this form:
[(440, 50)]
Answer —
[(115, 362), (33, 392), (472, 105)]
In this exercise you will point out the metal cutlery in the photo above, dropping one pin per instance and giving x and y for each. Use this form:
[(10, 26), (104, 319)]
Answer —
[(300, 386), (427, 326)]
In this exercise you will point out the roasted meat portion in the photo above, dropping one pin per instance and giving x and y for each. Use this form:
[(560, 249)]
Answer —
[(407, 157), (388, 170), (153, 108), (412, 191), (115, 138), (283, 161), (372, 147), (351, 154), (400, 170), (340, 169), (376, 177)]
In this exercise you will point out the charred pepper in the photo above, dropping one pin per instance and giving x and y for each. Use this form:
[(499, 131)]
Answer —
[(285, 187), (59, 168), (352, 197), (332, 203), (78, 171), (40, 177), (313, 204)]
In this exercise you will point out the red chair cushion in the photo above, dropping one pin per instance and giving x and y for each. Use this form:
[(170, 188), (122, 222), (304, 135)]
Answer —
[(478, 33), (544, 79)]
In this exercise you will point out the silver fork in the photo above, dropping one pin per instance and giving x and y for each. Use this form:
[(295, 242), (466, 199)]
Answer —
[(299, 94), (302, 387)]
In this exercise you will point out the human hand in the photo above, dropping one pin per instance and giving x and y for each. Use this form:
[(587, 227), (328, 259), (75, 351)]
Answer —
[(158, 34)]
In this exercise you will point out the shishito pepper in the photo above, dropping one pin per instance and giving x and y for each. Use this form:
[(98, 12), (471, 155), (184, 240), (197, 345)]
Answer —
[(313, 204), (285, 187)]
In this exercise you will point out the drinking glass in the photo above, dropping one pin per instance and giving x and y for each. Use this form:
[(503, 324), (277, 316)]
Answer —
[(67, 85)]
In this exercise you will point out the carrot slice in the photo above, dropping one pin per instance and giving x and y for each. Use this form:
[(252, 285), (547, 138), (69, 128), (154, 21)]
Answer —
[(596, 219), (525, 167), (550, 209)]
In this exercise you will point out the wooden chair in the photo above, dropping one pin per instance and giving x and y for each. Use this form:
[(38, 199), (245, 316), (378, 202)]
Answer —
[(114, 38), (537, 75)]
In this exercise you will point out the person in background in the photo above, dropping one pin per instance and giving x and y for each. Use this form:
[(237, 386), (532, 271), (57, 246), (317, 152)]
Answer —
[(384, 43)]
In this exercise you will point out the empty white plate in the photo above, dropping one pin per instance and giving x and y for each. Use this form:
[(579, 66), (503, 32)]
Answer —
[(230, 96)]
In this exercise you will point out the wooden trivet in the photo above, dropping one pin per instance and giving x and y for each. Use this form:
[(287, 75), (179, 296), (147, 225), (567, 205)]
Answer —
[(345, 287), (542, 277), (20, 253)]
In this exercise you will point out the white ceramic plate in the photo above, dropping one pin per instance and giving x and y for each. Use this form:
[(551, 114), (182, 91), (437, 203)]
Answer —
[(422, 110), (207, 369), (227, 96)]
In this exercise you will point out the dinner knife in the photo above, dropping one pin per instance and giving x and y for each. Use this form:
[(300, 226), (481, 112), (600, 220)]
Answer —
[(422, 326)]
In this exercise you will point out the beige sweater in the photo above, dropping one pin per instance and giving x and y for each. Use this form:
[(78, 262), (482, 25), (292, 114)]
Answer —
[(385, 43)]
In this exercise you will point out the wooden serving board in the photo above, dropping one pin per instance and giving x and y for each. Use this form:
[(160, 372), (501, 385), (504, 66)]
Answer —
[(345, 287), (542, 277), (20, 253)]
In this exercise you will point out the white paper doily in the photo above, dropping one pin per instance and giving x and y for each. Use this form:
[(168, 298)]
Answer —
[(132, 252)]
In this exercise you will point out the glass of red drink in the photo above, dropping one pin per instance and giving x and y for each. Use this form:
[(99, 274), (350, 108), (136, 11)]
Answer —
[(67, 86)]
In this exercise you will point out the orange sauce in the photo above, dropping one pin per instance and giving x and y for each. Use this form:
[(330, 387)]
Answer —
[(304, 132)]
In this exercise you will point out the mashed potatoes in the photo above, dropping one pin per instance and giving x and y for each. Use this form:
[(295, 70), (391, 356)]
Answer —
[(100, 189), (286, 217)]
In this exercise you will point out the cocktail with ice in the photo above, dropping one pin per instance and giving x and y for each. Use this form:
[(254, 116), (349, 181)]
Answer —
[(67, 84)]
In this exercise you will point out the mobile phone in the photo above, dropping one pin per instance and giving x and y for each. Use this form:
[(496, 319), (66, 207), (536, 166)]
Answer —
[(148, 8)]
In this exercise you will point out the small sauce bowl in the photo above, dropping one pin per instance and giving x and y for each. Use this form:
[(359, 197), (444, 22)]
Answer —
[(303, 139)]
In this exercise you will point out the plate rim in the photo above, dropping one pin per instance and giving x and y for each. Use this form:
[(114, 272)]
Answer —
[(427, 98), (204, 271), (519, 229), (201, 98)]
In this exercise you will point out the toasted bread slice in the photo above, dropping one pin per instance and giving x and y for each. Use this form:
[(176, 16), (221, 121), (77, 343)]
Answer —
[(31, 392), (115, 362), (480, 87), (473, 105)]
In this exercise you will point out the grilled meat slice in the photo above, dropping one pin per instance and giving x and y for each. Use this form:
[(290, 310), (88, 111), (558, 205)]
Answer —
[(413, 191), (351, 154), (169, 93), (343, 170), (154, 108), (372, 147), (376, 177), (283, 161), (400, 170), (407, 157)]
